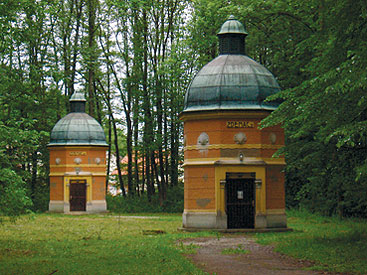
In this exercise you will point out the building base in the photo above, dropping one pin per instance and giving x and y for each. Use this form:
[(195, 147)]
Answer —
[(214, 220), (205, 220), (99, 206), (276, 220), (56, 206), (239, 230)]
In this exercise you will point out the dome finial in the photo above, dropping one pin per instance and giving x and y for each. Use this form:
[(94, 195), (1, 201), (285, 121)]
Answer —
[(232, 25), (232, 37), (77, 102), (77, 96)]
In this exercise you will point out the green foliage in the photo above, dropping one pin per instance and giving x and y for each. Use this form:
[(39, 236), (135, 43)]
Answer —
[(140, 204), (41, 197), (334, 244), (324, 116), (277, 31), (13, 196), (31, 103)]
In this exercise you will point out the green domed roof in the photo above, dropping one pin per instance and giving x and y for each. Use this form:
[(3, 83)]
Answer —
[(77, 127), (232, 25), (232, 81)]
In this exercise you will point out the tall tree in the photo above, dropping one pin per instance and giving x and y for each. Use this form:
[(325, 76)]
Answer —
[(325, 115)]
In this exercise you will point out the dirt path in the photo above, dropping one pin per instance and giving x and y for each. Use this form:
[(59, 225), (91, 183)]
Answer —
[(260, 259)]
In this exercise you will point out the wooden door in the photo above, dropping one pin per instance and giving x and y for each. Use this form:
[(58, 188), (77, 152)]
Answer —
[(78, 195), (240, 196)]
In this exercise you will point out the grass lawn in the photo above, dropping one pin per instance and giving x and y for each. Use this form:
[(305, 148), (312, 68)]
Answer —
[(333, 244), (94, 244), (109, 244)]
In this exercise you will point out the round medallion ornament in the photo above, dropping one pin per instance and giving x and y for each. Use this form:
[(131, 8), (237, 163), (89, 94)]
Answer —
[(57, 161), (78, 160), (98, 160), (203, 139), (273, 138), (240, 138)]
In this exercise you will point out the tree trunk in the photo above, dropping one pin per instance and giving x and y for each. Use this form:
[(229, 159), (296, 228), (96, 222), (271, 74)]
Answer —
[(118, 160), (91, 57), (109, 150), (34, 175), (136, 152)]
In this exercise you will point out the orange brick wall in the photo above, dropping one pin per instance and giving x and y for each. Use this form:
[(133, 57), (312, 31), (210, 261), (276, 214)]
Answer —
[(200, 180), (219, 134), (99, 188), (218, 131), (275, 195), (211, 153), (64, 154), (67, 164), (265, 135), (56, 188), (199, 187)]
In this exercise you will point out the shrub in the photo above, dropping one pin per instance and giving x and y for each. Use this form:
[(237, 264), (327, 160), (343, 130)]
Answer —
[(13, 196), (140, 204)]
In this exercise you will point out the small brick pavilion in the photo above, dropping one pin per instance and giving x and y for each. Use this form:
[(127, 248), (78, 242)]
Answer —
[(77, 162), (231, 179)]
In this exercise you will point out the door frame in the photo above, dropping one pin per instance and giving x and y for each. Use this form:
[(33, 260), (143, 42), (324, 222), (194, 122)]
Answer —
[(220, 178), (82, 182), (242, 176), (67, 179)]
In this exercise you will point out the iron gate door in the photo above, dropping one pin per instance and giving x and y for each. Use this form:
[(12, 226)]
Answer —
[(240, 195), (78, 195)]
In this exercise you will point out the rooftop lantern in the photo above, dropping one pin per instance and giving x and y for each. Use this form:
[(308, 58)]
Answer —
[(232, 37), (231, 179), (77, 162)]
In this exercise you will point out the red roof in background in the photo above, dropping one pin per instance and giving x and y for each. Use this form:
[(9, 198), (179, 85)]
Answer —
[(124, 162)]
